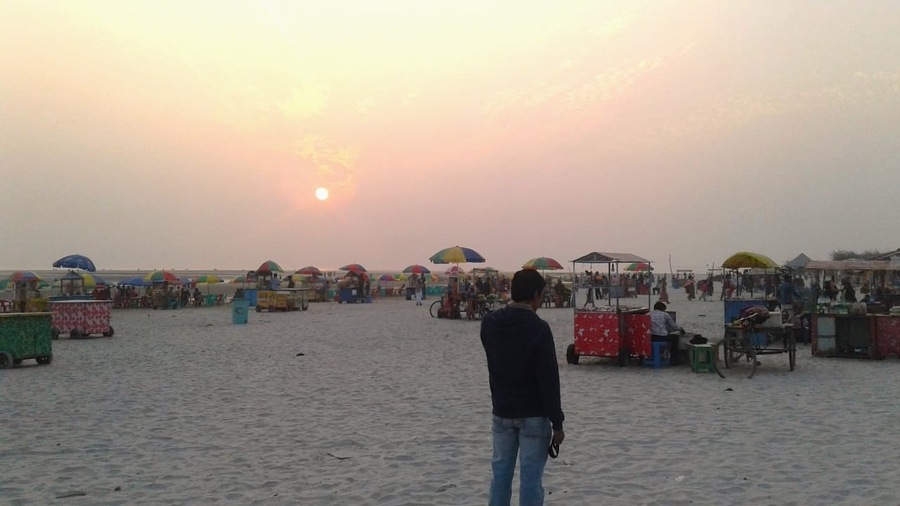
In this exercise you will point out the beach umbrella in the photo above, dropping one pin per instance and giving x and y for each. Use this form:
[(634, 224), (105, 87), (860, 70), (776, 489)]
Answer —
[(416, 269), (456, 255), (162, 276), (309, 270), (242, 279), (135, 281), (208, 279), (268, 267), (638, 266), (391, 277), (354, 268), (75, 262), (543, 264), (25, 276), (747, 259), (9, 282)]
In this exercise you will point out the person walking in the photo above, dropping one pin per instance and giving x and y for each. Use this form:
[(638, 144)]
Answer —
[(527, 411), (663, 294)]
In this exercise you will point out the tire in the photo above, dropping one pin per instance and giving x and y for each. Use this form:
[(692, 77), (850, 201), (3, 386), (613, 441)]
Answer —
[(751, 359), (75, 334), (571, 356), (792, 352), (6, 360), (45, 360), (304, 305), (433, 309), (727, 353), (54, 333), (719, 348), (258, 308), (110, 332), (17, 361)]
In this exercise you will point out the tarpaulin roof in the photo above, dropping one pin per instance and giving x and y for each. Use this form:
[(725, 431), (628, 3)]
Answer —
[(609, 258), (852, 265)]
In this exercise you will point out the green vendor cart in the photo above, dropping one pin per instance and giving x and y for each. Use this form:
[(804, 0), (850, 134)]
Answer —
[(24, 336)]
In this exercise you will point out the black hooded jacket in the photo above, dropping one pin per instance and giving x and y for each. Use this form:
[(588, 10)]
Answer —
[(521, 358)]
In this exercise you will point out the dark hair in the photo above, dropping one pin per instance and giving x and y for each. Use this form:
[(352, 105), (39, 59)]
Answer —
[(525, 283), (659, 306)]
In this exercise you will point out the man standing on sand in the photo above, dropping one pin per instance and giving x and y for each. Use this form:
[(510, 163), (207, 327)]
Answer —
[(524, 379)]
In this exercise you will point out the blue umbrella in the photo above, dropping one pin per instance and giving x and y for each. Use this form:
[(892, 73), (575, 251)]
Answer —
[(135, 281), (75, 262)]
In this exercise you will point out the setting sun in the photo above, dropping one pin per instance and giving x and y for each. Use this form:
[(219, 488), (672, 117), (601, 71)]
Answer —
[(322, 193)]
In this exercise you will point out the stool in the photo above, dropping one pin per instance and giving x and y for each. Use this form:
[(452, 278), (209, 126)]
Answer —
[(702, 358), (661, 356)]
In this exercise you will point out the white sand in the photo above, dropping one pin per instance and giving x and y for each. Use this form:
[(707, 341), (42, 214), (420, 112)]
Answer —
[(390, 406)]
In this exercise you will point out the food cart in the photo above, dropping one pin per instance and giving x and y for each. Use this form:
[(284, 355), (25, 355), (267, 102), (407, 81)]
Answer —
[(24, 336), (351, 288), (611, 330), (81, 318), (282, 299), (862, 329)]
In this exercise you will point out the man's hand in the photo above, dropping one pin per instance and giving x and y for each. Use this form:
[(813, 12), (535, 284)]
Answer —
[(558, 436)]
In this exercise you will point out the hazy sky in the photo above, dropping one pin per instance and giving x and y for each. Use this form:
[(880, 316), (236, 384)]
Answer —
[(194, 134)]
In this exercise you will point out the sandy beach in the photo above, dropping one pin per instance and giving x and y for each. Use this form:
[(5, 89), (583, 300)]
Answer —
[(379, 404)]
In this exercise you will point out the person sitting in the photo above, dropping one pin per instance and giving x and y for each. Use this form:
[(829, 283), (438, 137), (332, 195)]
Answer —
[(663, 329), (198, 297)]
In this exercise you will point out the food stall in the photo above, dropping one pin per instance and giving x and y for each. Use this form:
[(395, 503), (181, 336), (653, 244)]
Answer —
[(866, 329), (24, 336), (81, 318), (351, 288), (609, 330), (72, 286), (282, 299)]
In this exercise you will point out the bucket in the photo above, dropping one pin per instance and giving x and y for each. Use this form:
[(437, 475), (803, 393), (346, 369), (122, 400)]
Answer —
[(240, 308)]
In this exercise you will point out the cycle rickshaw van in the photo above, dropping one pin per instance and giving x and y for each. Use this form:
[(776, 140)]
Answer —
[(610, 330)]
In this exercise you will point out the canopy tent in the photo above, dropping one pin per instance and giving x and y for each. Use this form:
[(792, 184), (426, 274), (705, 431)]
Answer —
[(612, 260), (609, 258)]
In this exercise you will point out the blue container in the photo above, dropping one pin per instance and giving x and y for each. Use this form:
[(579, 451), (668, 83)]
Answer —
[(250, 294), (240, 308)]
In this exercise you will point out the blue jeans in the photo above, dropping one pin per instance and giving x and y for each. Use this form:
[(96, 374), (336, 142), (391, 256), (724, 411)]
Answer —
[(529, 438)]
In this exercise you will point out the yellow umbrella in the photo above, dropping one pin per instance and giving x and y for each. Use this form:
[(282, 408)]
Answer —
[(747, 259)]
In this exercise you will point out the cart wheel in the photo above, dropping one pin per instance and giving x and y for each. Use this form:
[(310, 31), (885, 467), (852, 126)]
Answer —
[(571, 356), (258, 308), (54, 333), (17, 361), (433, 310), (751, 359), (726, 353), (110, 332), (719, 348), (792, 352), (45, 360), (75, 334), (304, 305), (6, 360)]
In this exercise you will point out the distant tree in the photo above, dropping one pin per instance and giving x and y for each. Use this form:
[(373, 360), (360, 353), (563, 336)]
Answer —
[(843, 254)]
